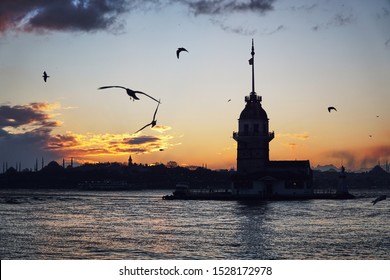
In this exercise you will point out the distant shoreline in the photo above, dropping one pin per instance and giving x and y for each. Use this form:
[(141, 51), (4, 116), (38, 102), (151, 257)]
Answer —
[(54, 176)]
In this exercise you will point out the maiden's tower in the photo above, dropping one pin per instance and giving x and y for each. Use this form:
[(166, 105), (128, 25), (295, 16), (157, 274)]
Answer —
[(257, 175)]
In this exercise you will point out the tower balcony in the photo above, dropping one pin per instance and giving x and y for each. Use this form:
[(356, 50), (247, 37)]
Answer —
[(253, 97), (271, 135), (241, 136)]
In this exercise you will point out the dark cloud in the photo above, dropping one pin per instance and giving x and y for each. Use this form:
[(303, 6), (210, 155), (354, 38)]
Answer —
[(33, 114), (204, 7), (62, 15), (62, 141), (341, 20), (306, 8), (96, 15), (142, 140), (337, 20), (25, 131), (383, 14), (240, 30)]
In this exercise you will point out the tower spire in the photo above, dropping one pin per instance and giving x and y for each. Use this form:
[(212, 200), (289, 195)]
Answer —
[(252, 62)]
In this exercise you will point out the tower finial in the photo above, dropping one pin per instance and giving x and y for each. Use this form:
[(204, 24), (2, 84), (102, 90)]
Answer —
[(252, 62)]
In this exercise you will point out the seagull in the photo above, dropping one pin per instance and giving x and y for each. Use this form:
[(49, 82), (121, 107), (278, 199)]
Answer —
[(153, 122), (379, 198), (45, 76), (331, 108), (179, 50), (229, 100), (131, 92)]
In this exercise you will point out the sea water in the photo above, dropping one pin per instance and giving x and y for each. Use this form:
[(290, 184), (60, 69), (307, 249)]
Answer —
[(59, 224)]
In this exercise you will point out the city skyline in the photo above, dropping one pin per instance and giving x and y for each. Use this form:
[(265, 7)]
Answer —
[(309, 56)]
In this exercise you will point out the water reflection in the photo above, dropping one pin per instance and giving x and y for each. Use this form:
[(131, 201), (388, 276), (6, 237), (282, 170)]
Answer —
[(139, 225)]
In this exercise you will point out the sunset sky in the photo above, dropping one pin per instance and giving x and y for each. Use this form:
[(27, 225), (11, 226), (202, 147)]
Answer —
[(310, 54)]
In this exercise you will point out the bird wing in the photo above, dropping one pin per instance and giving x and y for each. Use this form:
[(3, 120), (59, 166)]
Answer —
[(179, 50), (331, 108), (155, 112), (104, 87), (145, 126), (140, 92)]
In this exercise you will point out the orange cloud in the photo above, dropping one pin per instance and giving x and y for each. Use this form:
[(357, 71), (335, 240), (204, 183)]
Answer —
[(299, 136), (92, 145), (29, 129)]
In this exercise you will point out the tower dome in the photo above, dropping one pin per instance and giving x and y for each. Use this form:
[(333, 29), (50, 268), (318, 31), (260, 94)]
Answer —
[(253, 109)]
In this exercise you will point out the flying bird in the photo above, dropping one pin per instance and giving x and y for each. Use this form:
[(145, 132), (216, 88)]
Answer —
[(45, 76), (179, 50), (379, 198), (153, 122), (229, 100), (131, 93), (331, 108)]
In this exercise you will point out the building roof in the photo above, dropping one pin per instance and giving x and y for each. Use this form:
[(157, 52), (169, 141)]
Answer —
[(253, 109), (288, 164)]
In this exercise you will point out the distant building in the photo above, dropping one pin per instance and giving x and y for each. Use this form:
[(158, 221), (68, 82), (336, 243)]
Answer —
[(257, 175), (130, 161)]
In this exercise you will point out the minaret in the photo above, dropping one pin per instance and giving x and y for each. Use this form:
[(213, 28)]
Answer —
[(130, 161), (253, 134)]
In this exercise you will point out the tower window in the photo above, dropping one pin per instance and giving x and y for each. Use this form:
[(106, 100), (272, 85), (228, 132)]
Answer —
[(256, 128), (246, 129)]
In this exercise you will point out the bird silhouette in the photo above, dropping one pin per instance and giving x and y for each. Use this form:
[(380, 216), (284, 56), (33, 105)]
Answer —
[(179, 50), (379, 198), (229, 100), (331, 108), (153, 122), (131, 93), (45, 76)]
